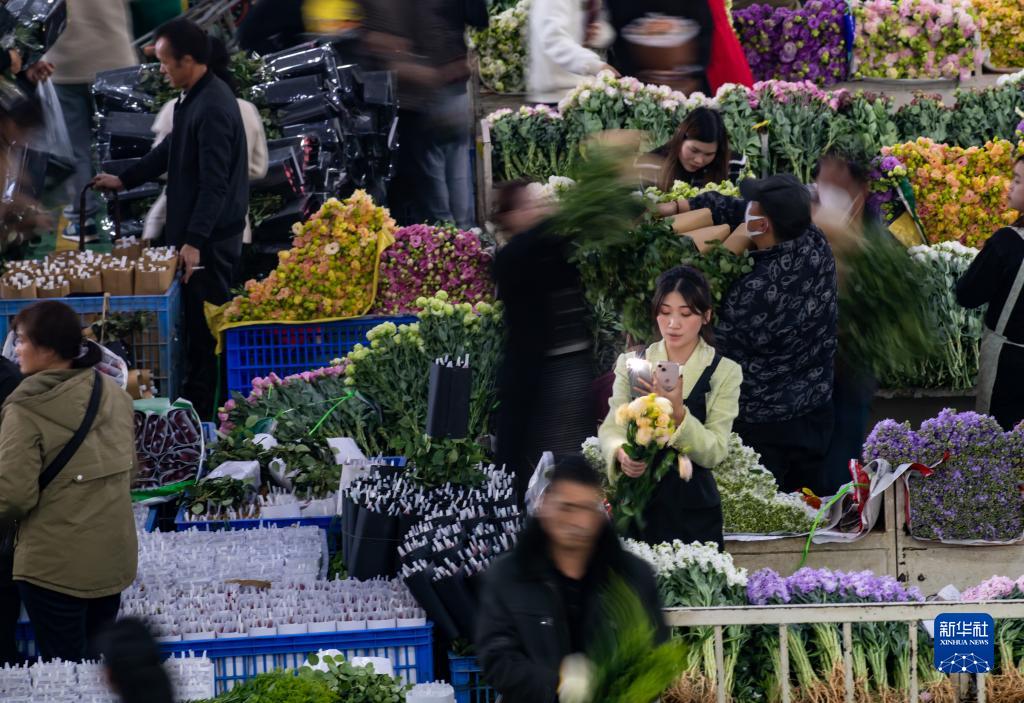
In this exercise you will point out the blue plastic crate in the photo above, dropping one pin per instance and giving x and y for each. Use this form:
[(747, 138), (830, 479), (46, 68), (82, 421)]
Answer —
[(468, 682), (410, 650), (157, 348), (321, 521), (255, 351)]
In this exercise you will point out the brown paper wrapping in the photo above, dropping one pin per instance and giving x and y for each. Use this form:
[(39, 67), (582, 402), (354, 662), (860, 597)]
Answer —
[(11, 293), (119, 281), (87, 285), (140, 384), (689, 221), (739, 241), (62, 290), (133, 251), (154, 282), (61, 255), (703, 237)]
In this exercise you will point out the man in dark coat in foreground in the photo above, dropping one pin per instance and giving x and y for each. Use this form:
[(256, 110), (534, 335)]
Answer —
[(543, 601)]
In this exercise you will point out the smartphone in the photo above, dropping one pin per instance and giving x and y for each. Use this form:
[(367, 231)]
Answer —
[(667, 375), (639, 369)]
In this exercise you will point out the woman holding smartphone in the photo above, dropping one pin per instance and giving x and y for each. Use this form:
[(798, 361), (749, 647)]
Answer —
[(704, 389)]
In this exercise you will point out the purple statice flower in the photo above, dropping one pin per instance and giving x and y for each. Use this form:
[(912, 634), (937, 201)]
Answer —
[(971, 495), (767, 587), (893, 441), (1020, 128)]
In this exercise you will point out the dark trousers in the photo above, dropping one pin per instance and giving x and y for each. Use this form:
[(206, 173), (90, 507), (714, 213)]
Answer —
[(10, 610), (852, 396), (1007, 405), (793, 450), (220, 261), (64, 625)]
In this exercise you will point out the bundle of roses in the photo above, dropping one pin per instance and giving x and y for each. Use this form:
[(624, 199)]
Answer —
[(917, 39), (1002, 31), (961, 194), (329, 272), (425, 259)]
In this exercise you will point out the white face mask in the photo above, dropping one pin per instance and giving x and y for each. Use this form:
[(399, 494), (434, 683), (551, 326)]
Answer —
[(836, 200), (748, 218)]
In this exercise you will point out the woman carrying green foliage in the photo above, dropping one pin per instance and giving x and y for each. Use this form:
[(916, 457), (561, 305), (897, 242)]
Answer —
[(545, 375), (841, 212)]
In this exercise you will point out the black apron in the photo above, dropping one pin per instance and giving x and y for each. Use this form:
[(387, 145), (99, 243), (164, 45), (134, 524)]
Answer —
[(690, 511)]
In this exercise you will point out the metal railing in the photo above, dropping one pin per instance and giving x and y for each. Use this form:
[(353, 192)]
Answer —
[(845, 614), (206, 14)]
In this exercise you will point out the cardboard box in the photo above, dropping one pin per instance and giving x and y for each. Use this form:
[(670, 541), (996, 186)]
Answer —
[(154, 282), (119, 281), (140, 384)]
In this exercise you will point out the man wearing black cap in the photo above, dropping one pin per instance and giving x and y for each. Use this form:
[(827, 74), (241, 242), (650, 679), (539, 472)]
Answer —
[(780, 324)]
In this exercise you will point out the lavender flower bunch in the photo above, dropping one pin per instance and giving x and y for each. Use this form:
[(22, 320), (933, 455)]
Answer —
[(879, 649), (794, 45), (973, 495)]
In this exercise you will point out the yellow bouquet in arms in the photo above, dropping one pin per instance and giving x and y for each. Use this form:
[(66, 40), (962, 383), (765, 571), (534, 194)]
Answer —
[(649, 427)]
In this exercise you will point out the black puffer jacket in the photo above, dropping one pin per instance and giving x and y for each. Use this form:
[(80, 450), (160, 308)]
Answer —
[(779, 322), (523, 633)]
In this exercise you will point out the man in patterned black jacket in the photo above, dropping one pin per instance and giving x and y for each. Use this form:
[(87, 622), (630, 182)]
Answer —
[(779, 323)]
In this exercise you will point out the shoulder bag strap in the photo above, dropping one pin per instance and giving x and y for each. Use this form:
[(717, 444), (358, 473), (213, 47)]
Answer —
[(62, 459)]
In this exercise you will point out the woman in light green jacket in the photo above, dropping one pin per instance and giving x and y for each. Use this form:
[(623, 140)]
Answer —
[(704, 403), (76, 547)]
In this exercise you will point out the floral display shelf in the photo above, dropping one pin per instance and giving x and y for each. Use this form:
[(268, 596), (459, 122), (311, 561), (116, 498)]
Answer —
[(876, 551)]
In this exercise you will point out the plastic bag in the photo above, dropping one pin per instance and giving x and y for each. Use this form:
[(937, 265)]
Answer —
[(539, 482), (110, 364), (52, 138), (170, 445)]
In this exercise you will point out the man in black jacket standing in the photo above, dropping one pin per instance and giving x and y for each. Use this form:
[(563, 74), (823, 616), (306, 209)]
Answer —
[(206, 162), (543, 602)]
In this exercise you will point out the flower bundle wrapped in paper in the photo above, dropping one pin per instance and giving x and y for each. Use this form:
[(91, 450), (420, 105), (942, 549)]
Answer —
[(971, 494), (331, 270), (649, 427)]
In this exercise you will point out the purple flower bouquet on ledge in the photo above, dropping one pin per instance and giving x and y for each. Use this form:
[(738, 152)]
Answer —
[(974, 495), (794, 45)]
